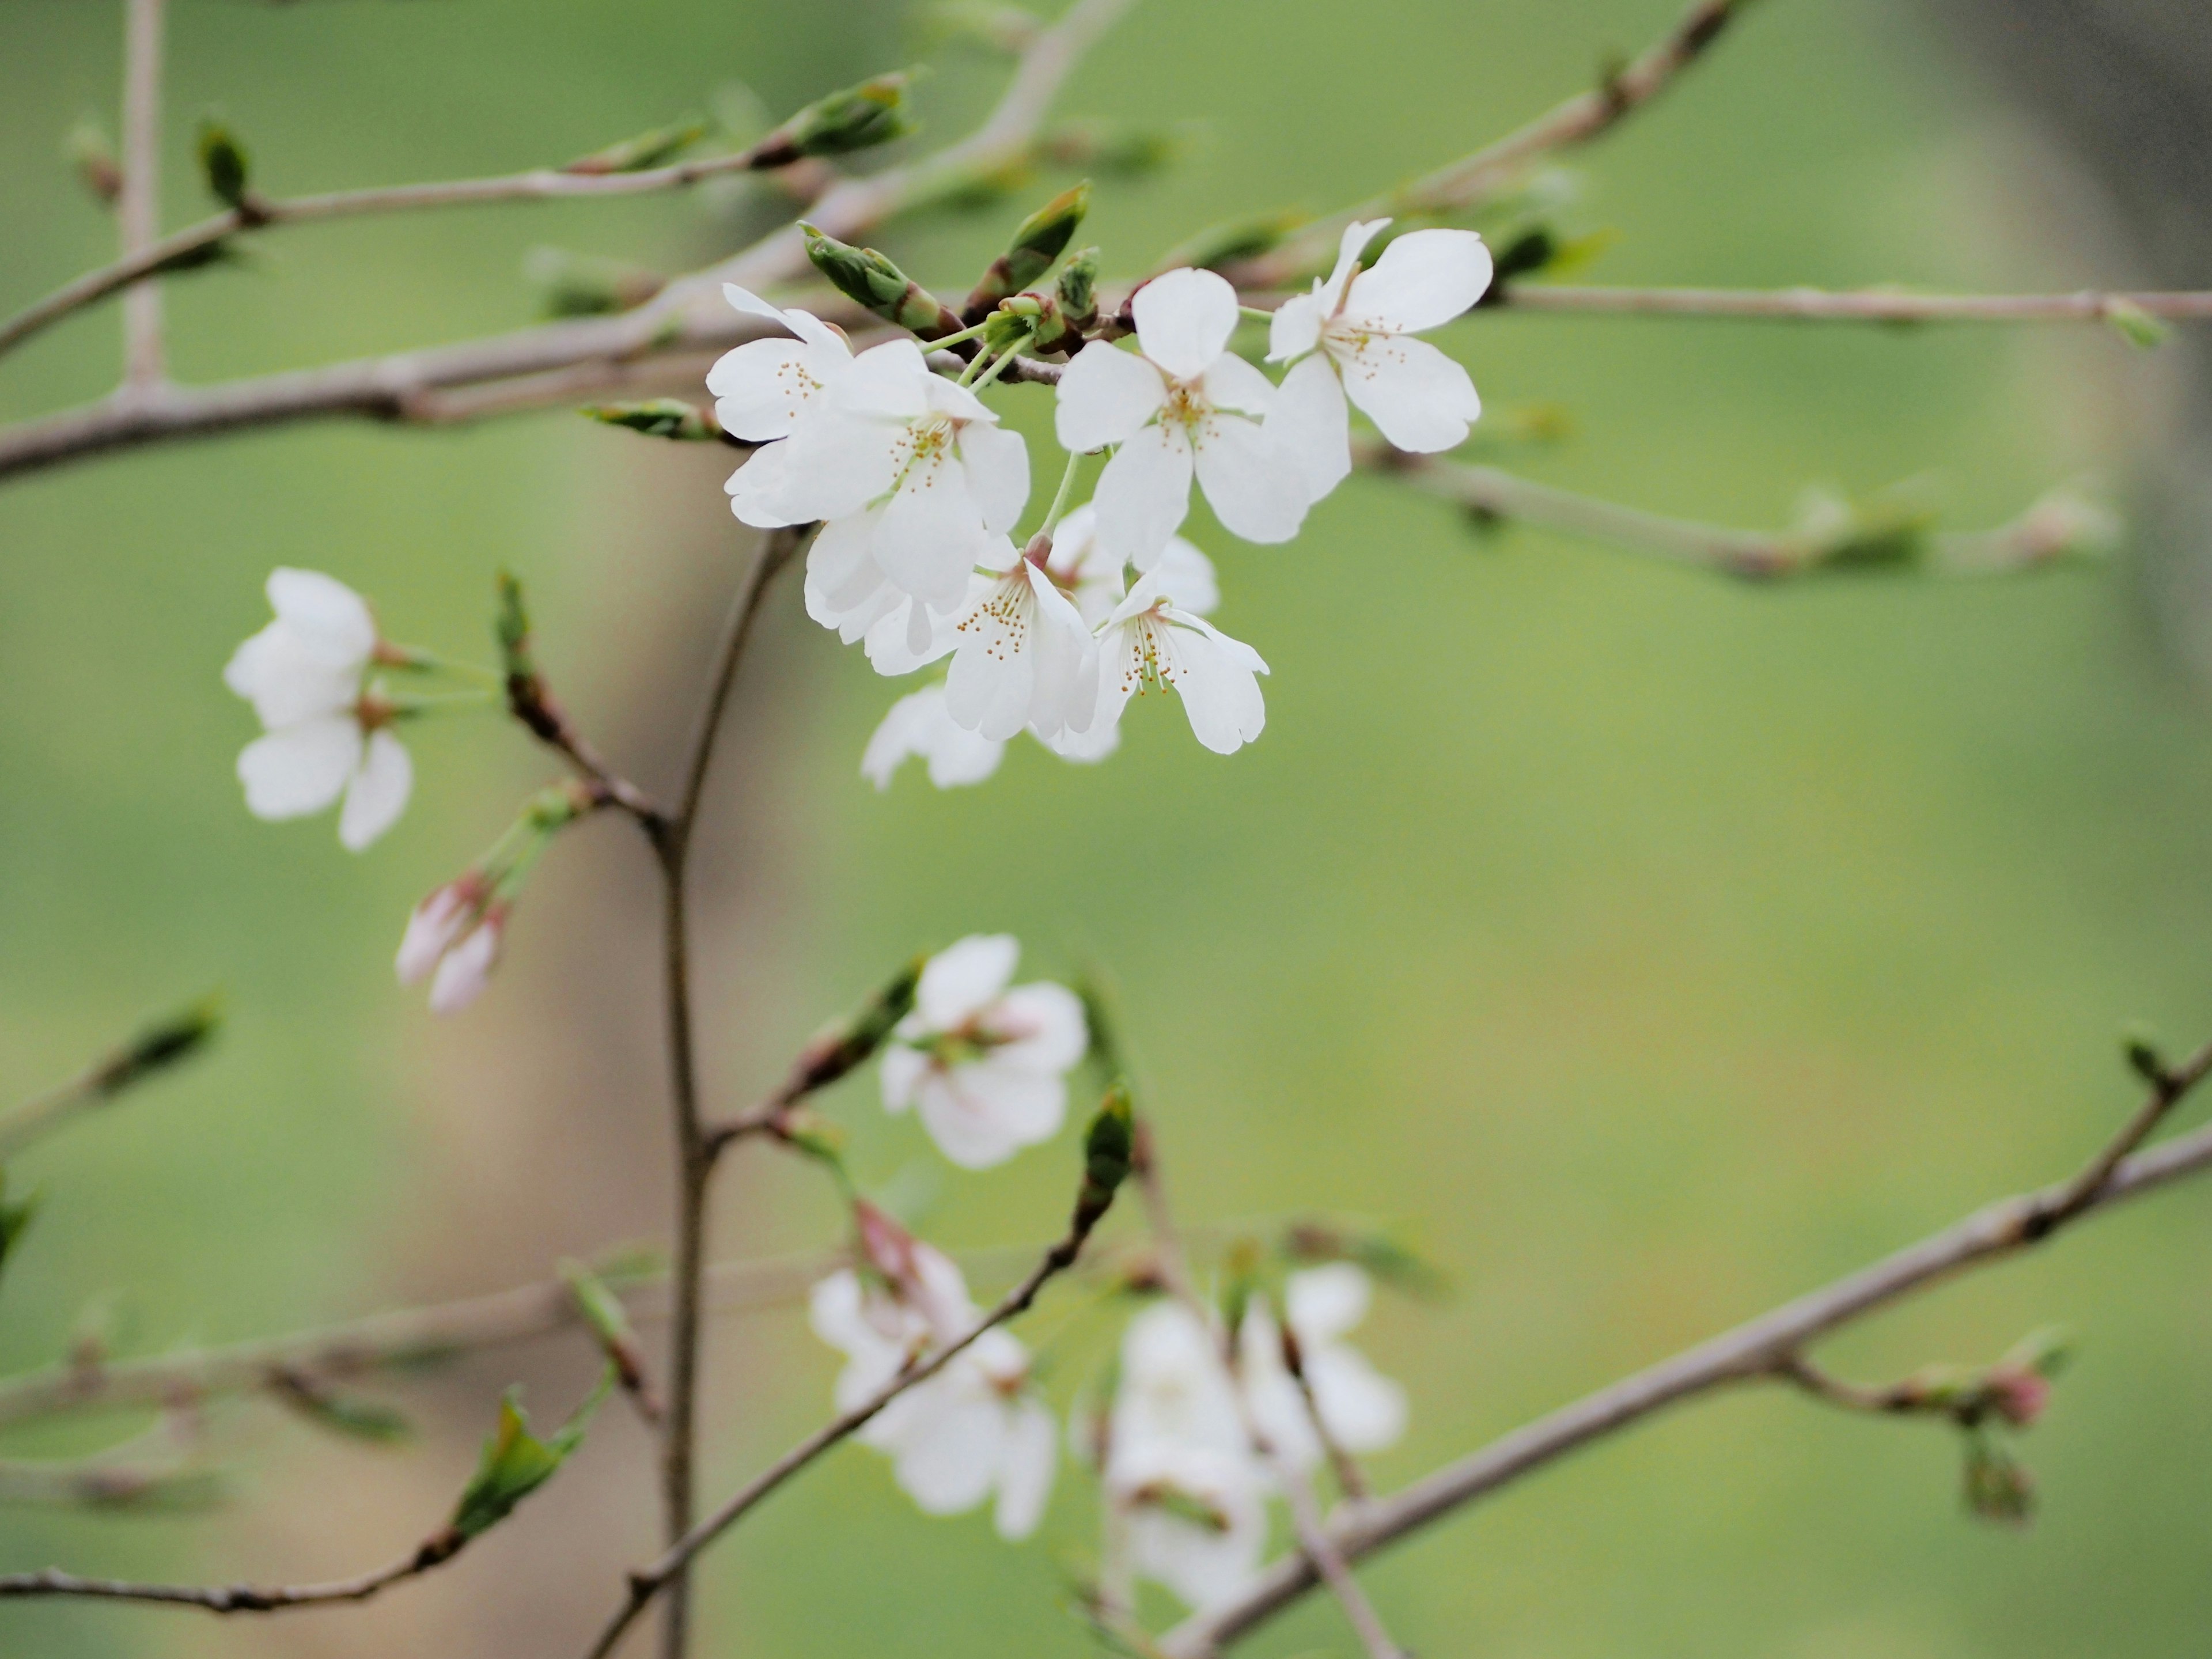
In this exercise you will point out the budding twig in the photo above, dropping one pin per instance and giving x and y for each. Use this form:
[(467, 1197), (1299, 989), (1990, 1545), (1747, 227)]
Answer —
[(433, 1553), (155, 1048), (1750, 1351)]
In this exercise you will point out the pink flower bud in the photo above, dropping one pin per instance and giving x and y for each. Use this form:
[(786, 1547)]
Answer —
[(466, 969), (2019, 1395), (431, 929)]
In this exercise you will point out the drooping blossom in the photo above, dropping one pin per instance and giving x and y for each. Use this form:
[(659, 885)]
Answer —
[(1095, 581), (1149, 640), (1363, 1410), (975, 1428), (327, 734), (918, 725), (1351, 337), (452, 939), (1023, 658), (922, 470), (1180, 1468), (1181, 406), (985, 1065)]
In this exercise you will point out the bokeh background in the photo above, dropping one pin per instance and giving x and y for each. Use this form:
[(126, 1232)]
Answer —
[(1646, 948)]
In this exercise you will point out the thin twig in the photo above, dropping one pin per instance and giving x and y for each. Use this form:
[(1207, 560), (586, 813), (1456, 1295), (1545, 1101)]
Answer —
[(240, 1598), (1751, 1352), (1821, 1384), (1859, 304), (138, 207), (2051, 529), (1474, 179), (1351, 1479), (648, 1583)]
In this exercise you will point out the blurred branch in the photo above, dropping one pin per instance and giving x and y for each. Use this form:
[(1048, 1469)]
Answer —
[(689, 315), (238, 1598), (2059, 525), (156, 1049), (1468, 182), (1860, 305), (1759, 1349), (155, 1470), (138, 205)]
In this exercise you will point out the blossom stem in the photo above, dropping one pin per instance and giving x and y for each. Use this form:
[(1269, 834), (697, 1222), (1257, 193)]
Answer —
[(939, 341), (1256, 313), (999, 365), (1058, 507), (429, 702)]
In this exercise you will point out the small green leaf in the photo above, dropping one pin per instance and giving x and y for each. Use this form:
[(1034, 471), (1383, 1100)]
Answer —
[(2136, 326), (515, 1462), (223, 160), (858, 117)]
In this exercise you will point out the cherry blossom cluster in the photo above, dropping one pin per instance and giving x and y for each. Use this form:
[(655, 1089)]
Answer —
[(917, 487)]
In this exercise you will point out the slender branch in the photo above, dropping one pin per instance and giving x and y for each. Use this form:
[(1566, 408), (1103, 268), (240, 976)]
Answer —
[(1896, 1398), (1351, 1479), (689, 315), (241, 1598), (1859, 304), (138, 207), (781, 547), (1751, 1352), (1474, 179), (648, 1583), (2053, 528), (153, 1050)]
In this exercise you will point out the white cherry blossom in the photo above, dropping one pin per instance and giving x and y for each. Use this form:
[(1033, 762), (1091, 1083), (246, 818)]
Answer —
[(921, 466), (1363, 1410), (975, 1428), (1183, 406), (985, 1065), (1023, 658), (919, 725), (1094, 578), (1351, 337), (762, 387), (1179, 1466), (327, 737), (1150, 640)]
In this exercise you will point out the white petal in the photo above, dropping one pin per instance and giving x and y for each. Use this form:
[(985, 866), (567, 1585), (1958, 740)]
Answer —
[(931, 533), (842, 576), (763, 388), (980, 1115), (1366, 1411), (1185, 577), (962, 979), (760, 490), (1066, 689), (433, 927), (1184, 319), (906, 634), (948, 1459), (919, 725), (330, 620), (1232, 383), (1219, 692), (1424, 278), (1105, 396), (1323, 1302), (285, 682), (903, 1070), (301, 768), (1311, 424), (886, 382), (997, 464), (1144, 496), (378, 795), (1093, 743), (462, 976), (834, 463), (1028, 1457), (1420, 399), (1295, 329), (1043, 1024), (1357, 236), (993, 680), (1253, 488)]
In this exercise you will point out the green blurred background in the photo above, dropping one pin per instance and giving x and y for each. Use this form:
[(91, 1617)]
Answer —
[(1648, 948)]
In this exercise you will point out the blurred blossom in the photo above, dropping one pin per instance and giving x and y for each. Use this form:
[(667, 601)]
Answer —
[(975, 1428), (452, 939), (919, 725), (1363, 1410), (1184, 407), (327, 737), (985, 1067), (1351, 336)]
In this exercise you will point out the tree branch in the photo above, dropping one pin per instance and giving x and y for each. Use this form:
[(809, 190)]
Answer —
[(1876, 305), (1751, 1352), (138, 207), (240, 1598)]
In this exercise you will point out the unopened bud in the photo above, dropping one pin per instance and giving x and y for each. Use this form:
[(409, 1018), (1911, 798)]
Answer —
[(577, 285), (847, 1045), (858, 117), (1128, 151), (1038, 242), (92, 156), (2136, 326), (434, 925), (465, 968), (164, 1043), (1077, 290), (647, 150), (1996, 1488), (223, 160), (2018, 1396), (886, 1249), (1106, 1158), (603, 1314), (870, 280), (659, 417)]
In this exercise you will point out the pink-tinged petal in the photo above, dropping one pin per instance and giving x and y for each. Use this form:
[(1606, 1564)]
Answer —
[(1252, 487), (1295, 329), (1357, 236), (1105, 396), (1423, 280), (1029, 1458), (1311, 424), (462, 976), (301, 769), (1184, 319), (330, 620), (962, 979), (1144, 496), (998, 464), (931, 534), (1042, 1027), (1232, 383), (285, 682), (1420, 399), (432, 927), (1184, 576), (379, 792), (762, 389), (980, 1115), (903, 1069)]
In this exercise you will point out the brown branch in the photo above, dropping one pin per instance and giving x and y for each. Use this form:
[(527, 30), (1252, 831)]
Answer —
[(1474, 179), (433, 1553), (648, 1583), (1351, 1479), (2055, 527), (1751, 1352), (138, 206), (1859, 304)]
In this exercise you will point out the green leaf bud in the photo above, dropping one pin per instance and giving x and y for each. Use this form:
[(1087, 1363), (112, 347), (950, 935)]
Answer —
[(92, 156), (1106, 1154), (2136, 326), (1038, 242), (580, 285), (858, 117), (647, 150), (659, 417), (168, 1041), (222, 161), (870, 280), (846, 1044), (515, 1462)]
